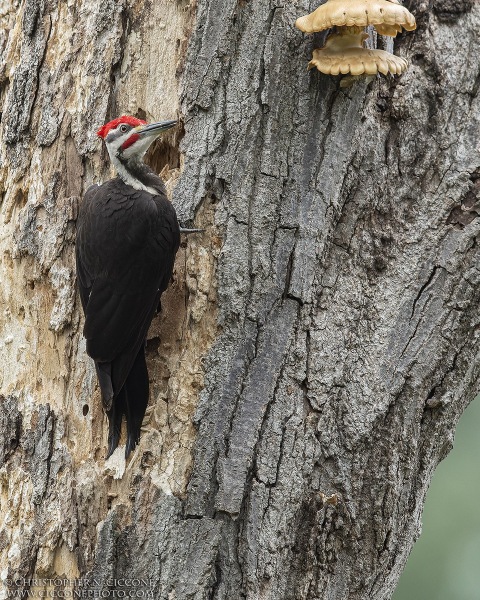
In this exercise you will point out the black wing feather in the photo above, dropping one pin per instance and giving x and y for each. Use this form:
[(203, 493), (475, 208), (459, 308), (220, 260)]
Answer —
[(126, 245)]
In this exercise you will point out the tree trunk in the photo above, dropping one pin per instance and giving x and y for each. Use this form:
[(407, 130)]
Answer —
[(318, 343)]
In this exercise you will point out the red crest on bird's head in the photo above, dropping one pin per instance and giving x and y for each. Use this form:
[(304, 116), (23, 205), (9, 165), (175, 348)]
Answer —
[(104, 129)]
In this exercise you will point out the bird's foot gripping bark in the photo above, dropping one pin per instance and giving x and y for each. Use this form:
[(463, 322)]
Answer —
[(187, 231)]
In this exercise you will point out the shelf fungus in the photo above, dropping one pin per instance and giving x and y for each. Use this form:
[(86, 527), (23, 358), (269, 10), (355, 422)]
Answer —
[(344, 52)]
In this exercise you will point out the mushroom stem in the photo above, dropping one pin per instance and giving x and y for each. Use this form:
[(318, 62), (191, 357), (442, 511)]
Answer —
[(350, 30)]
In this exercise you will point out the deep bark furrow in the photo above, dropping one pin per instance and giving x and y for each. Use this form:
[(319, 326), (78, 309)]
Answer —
[(367, 178)]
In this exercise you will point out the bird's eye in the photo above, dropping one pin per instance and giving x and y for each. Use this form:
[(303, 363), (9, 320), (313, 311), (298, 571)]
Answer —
[(123, 128)]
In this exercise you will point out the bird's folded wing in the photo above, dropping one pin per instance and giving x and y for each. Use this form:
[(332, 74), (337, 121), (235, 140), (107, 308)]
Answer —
[(115, 321), (125, 252)]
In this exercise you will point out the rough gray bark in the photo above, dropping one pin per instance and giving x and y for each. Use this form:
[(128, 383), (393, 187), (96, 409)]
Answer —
[(322, 336)]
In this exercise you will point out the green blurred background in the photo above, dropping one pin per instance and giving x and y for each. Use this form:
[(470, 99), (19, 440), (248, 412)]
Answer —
[(445, 561)]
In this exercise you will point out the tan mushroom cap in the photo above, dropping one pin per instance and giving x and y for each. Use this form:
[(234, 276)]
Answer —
[(358, 13), (344, 53)]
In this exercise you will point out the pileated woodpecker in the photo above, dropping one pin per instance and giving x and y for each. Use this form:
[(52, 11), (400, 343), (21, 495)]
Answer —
[(127, 238)]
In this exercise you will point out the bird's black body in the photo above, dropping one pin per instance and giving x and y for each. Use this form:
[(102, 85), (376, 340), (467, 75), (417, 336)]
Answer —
[(127, 239)]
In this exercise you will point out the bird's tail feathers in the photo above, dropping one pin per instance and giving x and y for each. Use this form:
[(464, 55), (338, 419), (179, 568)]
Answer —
[(115, 415), (104, 374), (137, 394), (131, 401)]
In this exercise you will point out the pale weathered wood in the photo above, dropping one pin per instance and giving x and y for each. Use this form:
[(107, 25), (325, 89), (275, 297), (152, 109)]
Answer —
[(319, 342)]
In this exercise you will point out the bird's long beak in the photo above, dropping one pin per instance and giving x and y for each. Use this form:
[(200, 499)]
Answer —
[(154, 128)]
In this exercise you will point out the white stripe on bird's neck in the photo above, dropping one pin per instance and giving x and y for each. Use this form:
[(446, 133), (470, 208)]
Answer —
[(128, 178)]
